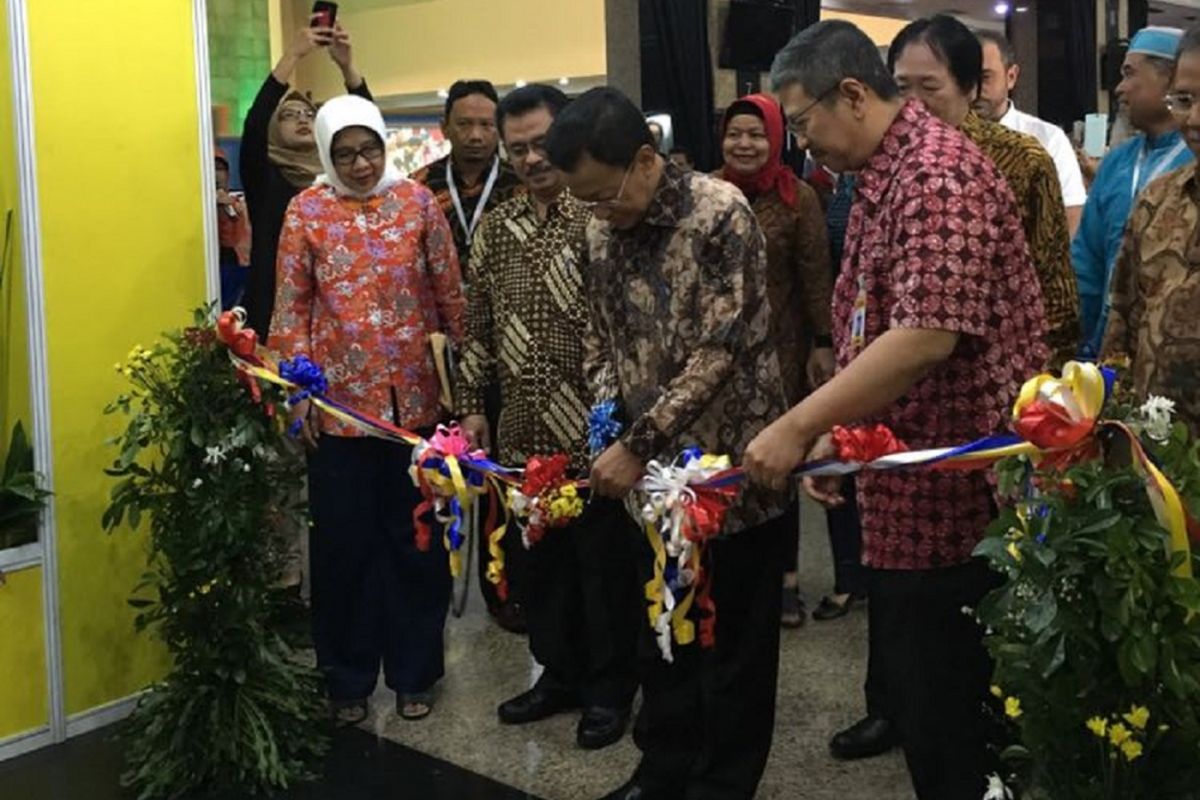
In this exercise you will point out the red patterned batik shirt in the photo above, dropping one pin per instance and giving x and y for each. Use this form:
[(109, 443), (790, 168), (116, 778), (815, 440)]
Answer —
[(935, 242), (360, 286)]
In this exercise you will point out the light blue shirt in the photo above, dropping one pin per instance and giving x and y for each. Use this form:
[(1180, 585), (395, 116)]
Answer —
[(1123, 173)]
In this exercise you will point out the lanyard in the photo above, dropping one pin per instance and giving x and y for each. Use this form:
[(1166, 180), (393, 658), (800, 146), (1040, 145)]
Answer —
[(1160, 165), (483, 198)]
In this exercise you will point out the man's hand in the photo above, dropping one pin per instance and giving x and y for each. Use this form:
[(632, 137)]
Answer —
[(615, 472), (775, 452), (825, 489), (820, 366), (309, 430), (479, 434)]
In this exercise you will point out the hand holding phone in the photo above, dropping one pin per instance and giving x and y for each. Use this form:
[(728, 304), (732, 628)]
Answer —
[(324, 14)]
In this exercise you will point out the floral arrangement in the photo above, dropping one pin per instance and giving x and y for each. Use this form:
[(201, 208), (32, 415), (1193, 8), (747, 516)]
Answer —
[(206, 460), (1096, 632)]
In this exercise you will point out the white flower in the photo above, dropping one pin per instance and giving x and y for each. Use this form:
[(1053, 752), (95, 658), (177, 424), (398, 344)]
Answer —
[(245, 467), (1156, 417), (996, 790), (214, 455), (196, 484)]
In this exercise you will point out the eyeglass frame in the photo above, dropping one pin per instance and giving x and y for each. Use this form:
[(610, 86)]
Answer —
[(790, 120), (348, 159), (296, 114), (592, 205), (1169, 101)]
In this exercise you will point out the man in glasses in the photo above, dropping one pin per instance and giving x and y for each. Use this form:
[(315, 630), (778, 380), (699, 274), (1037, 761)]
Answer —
[(1156, 286), (1126, 170), (937, 321), (677, 335), (524, 323)]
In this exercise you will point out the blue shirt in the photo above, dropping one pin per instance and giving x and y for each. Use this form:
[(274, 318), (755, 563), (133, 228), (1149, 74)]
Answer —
[(1109, 204)]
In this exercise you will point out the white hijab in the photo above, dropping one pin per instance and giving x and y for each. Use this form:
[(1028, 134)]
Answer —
[(349, 111)]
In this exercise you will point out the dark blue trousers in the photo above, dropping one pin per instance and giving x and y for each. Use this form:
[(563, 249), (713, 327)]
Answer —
[(375, 597)]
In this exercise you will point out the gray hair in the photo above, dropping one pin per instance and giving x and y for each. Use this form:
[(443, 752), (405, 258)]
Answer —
[(823, 55)]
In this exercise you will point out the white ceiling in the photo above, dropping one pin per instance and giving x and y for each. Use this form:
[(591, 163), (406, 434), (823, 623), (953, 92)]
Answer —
[(1178, 14), (973, 12)]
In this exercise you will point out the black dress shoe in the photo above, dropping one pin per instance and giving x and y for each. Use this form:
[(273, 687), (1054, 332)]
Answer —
[(600, 727), (829, 608), (537, 703), (867, 738)]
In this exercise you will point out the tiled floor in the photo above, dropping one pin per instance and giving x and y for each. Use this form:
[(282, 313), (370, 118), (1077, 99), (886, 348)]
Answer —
[(821, 671), (446, 756)]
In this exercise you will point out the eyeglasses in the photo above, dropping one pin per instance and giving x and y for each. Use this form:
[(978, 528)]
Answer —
[(346, 157), (610, 203), (296, 115), (796, 124), (1180, 103), (522, 149)]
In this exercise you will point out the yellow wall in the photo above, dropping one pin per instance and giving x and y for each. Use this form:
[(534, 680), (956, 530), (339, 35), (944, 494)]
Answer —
[(417, 46), (14, 362), (881, 29), (122, 240), (23, 694)]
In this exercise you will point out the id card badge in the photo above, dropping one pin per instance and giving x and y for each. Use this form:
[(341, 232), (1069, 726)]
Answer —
[(858, 319)]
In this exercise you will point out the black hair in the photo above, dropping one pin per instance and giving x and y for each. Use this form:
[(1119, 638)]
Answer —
[(1008, 53), (952, 43), (462, 89), (527, 98), (682, 151), (603, 123), (823, 55)]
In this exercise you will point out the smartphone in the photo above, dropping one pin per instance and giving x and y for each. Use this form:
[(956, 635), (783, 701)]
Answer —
[(324, 14)]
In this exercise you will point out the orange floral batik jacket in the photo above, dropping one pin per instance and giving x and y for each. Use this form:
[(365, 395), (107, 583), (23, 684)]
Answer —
[(361, 285)]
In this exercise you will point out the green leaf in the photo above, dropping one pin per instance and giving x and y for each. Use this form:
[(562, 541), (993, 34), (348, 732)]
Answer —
[(1040, 614)]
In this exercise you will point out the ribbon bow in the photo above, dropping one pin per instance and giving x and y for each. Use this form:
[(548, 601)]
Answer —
[(863, 445), (546, 499), (450, 476), (603, 428), (684, 506)]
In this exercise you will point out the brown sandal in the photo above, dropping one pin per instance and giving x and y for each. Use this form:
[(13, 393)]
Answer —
[(414, 706), (350, 713)]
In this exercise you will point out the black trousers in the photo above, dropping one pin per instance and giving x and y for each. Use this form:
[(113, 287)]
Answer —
[(935, 674), (375, 596), (707, 719), (582, 605), (845, 542)]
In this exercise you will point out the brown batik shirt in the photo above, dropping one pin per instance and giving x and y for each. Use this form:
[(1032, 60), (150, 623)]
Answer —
[(525, 320), (679, 328), (1030, 173), (1155, 314)]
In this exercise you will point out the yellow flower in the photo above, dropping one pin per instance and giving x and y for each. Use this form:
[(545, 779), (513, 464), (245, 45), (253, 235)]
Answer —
[(997, 691), (1118, 734), (1015, 552), (1012, 707), (569, 490), (1138, 716), (1131, 750), (1098, 726)]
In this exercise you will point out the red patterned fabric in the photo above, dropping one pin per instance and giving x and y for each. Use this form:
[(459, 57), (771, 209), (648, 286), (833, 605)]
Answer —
[(936, 242), (360, 286)]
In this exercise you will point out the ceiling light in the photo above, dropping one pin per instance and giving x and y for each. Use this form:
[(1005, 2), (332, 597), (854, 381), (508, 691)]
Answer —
[(1021, 9), (442, 93), (1001, 8), (564, 81), (520, 83)]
